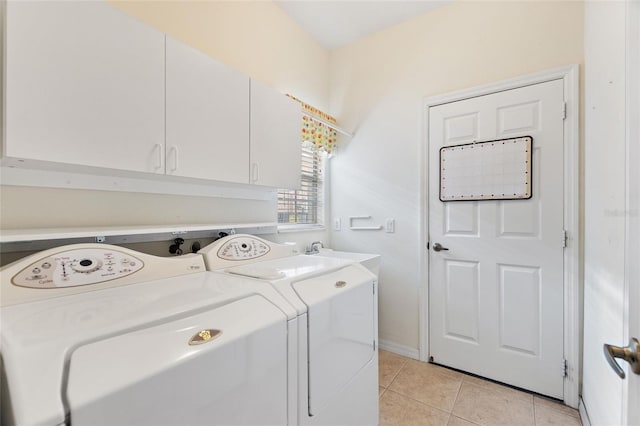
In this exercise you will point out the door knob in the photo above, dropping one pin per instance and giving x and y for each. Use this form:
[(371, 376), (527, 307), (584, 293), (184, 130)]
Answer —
[(630, 353), (438, 247)]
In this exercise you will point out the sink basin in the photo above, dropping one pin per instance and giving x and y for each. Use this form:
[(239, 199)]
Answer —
[(369, 261)]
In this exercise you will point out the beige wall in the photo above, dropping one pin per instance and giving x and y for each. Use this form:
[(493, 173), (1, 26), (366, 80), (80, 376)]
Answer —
[(378, 85), (256, 38)]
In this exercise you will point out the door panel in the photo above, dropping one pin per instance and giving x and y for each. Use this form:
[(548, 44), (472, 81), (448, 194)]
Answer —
[(519, 308), (461, 219), (518, 118), (462, 300), (496, 296), (461, 128), (519, 219)]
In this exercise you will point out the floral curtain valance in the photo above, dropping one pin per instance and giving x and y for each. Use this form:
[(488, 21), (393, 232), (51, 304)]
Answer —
[(322, 136)]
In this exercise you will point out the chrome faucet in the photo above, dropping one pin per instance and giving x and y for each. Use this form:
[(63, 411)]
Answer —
[(314, 249)]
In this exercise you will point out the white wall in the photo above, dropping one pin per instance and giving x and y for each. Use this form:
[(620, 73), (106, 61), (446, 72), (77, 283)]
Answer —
[(256, 38), (377, 88)]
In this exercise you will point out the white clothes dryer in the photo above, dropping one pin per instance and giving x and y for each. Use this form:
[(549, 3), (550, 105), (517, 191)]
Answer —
[(337, 312), (97, 334)]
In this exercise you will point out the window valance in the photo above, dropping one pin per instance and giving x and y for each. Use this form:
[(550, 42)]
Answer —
[(321, 133)]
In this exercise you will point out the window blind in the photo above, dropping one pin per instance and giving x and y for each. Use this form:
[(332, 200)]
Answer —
[(305, 206)]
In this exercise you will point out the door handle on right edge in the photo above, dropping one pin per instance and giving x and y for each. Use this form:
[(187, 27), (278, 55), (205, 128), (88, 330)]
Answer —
[(630, 353)]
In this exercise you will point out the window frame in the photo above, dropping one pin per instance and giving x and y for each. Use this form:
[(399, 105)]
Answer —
[(322, 196)]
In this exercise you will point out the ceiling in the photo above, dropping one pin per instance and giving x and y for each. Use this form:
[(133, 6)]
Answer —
[(337, 23)]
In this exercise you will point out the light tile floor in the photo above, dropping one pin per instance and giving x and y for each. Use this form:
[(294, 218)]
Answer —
[(415, 393)]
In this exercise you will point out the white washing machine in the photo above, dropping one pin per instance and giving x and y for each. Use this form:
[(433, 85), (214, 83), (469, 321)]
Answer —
[(98, 334), (336, 304)]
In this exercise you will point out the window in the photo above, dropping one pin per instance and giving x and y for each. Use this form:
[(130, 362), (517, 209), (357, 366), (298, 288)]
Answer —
[(306, 205)]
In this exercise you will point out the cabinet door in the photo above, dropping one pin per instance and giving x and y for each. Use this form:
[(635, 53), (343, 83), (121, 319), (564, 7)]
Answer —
[(275, 138), (84, 85), (207, 117)]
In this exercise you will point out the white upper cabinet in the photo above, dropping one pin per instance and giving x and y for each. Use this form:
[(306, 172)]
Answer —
[(276, 143), (207, 116), (84, 85), (87, 85)]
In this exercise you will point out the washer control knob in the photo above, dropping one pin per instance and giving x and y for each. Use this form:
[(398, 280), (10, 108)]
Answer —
[(87, 265)]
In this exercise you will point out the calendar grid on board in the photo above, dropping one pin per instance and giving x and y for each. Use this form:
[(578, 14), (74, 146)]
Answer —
[(491, 170)]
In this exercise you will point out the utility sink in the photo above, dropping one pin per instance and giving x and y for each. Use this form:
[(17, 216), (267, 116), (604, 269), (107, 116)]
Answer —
[(369, 261)]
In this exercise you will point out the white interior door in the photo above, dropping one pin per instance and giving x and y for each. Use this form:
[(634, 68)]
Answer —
[(612, 203), (496, 294), (633, 211)]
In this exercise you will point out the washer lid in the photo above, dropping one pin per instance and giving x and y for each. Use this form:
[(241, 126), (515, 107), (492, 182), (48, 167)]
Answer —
[(258, 271), (224, 366), (37, 336)]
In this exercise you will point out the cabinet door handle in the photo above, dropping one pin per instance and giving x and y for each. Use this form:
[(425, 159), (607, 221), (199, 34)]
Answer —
[(158, 149), (174, 150), (254, 172)]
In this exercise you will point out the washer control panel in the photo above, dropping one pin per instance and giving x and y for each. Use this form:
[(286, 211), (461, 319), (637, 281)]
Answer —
[(77, 267), (243, 248)]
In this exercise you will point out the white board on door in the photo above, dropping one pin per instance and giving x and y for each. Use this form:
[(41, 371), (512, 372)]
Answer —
[(492, 170)]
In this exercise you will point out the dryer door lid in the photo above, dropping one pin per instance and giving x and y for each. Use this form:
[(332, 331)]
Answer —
[(227, 365), (341, 330)]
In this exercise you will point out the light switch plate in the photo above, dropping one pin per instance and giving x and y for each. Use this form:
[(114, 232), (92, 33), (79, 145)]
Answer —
[(337, 224)]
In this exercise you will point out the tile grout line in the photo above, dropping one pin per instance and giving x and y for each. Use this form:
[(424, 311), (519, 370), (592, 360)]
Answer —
[(457, 395), (421, 402), (383, 392), (395, 376)]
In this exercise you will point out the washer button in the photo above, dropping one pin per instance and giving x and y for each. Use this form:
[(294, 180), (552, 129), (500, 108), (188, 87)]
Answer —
[(35, 277)]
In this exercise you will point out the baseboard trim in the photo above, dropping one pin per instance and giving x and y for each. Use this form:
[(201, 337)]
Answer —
[(584, 417), (399, 349)]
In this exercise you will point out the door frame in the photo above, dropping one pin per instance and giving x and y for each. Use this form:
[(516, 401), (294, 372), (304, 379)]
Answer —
[(572, 264)]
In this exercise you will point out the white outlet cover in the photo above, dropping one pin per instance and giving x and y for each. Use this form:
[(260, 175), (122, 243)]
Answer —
[(390, 225)]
